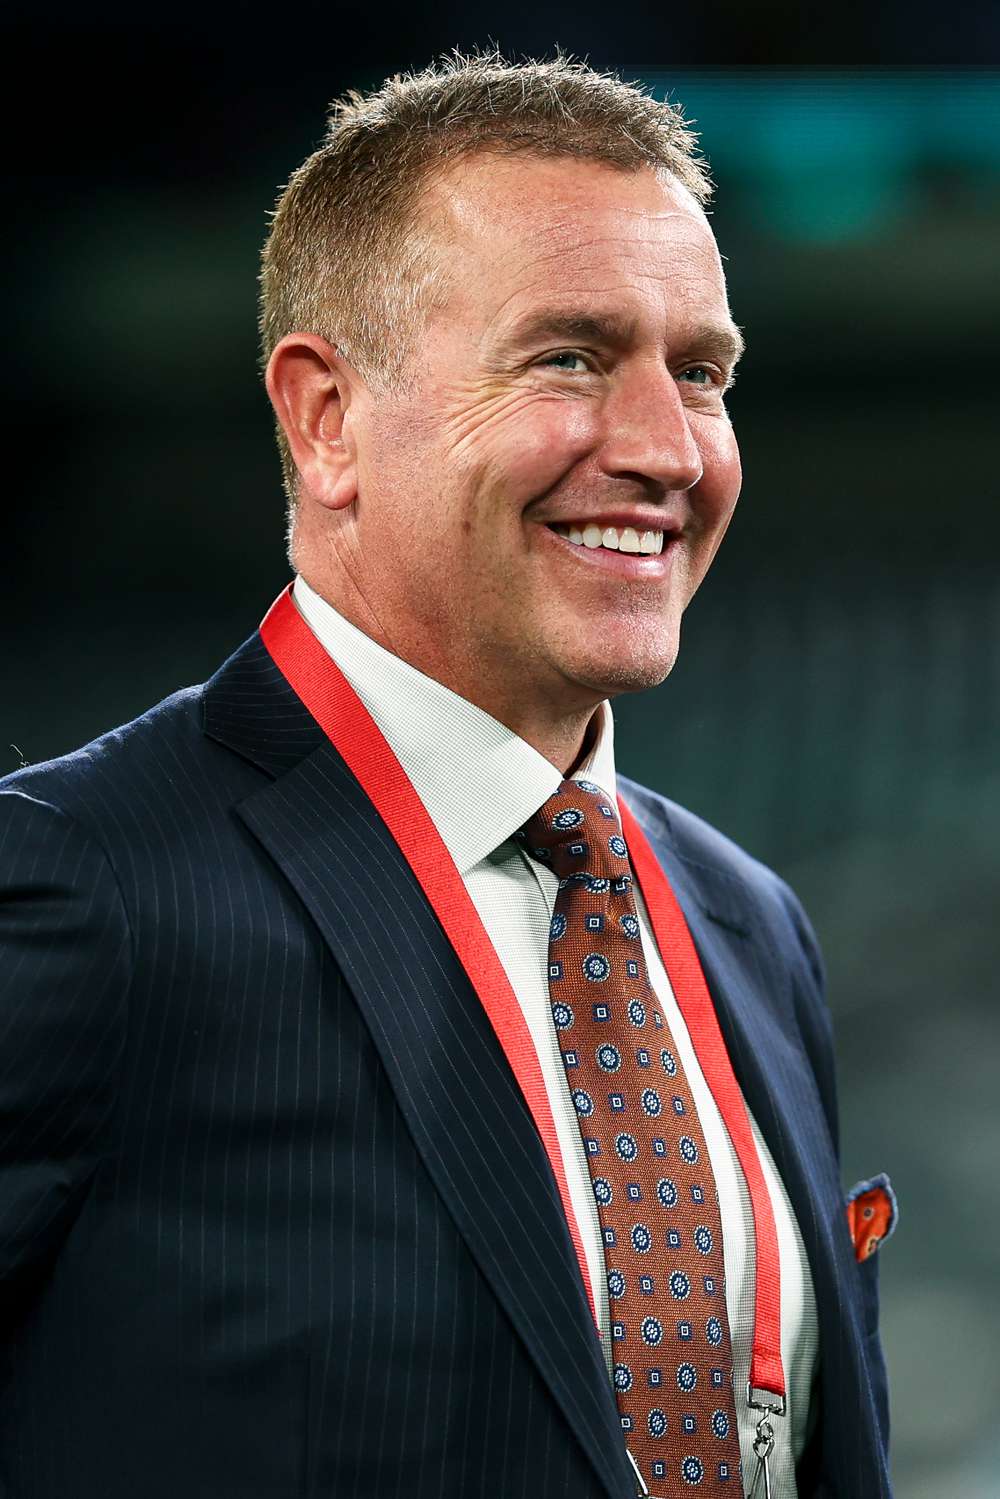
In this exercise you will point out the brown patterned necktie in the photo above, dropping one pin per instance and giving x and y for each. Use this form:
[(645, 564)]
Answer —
[(649, 1167)]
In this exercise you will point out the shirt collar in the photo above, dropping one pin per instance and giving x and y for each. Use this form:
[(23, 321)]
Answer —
[(478, 779)]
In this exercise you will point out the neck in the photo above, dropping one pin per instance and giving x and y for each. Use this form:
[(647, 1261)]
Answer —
[(563, 742), (562, 732), (564, 738)]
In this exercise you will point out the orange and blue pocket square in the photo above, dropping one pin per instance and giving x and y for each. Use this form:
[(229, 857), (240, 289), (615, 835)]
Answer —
[(872, 1214)]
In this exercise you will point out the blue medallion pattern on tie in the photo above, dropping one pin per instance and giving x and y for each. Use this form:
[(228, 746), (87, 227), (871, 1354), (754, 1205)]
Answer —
[(596, 967), (666, 1191), (693, 1470), (652, 1331)]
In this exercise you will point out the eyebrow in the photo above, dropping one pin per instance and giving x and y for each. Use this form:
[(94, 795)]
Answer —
[(723, 341)]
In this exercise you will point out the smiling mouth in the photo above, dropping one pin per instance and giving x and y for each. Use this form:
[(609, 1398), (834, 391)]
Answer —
[(613, 539)]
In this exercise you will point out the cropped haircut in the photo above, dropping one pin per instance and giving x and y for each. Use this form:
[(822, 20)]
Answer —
[(349, 255)]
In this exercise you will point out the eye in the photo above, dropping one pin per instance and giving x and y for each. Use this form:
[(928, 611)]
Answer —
[(563, 359), (702, 369)]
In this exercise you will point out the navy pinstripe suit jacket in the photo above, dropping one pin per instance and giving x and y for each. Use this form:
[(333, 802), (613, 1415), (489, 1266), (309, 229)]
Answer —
[(274, 1218)]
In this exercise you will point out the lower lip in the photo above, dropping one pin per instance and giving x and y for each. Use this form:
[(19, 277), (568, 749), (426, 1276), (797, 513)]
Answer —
[(633, 565)]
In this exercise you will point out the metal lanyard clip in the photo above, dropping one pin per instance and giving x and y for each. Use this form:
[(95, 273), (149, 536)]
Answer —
[(769, 1405)]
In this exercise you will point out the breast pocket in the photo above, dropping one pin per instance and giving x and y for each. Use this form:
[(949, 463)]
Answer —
[(872, 1214)]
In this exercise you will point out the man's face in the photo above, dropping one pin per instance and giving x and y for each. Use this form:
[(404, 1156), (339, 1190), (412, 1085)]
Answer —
[(571, 386)]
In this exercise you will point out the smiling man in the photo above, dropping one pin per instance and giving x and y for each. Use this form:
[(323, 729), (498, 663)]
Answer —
[(397, 1100), (557, 449)]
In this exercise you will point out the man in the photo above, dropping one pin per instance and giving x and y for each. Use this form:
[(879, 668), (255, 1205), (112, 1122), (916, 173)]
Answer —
[(396, 1100)]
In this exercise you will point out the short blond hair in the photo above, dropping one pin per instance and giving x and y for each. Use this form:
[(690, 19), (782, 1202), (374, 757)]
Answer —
[(348, 257)]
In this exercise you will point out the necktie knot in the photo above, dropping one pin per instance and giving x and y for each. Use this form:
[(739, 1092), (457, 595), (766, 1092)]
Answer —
[(577, 832)]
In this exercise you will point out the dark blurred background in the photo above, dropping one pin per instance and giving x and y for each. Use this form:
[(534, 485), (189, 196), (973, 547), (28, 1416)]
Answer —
[(836, 704)]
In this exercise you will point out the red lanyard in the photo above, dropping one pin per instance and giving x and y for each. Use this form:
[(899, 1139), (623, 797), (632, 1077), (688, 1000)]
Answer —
[(340, 713), (695, 1004)]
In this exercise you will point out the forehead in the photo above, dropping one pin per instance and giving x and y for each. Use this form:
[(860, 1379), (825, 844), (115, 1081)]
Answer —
[(522, 228)]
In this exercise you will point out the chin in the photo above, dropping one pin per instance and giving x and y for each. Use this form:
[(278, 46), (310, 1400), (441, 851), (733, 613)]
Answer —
[(630, 671)]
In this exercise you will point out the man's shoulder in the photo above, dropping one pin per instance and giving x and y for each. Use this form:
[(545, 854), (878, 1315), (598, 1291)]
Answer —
[(164, 755), (118, 761)]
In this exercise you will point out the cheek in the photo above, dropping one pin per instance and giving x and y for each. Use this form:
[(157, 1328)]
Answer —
[(723, 477), (522, 454)]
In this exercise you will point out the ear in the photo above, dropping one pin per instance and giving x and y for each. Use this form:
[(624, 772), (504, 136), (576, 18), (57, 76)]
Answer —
[(310, 387)]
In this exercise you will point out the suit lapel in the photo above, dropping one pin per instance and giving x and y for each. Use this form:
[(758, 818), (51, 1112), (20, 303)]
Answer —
[(454, 1087)]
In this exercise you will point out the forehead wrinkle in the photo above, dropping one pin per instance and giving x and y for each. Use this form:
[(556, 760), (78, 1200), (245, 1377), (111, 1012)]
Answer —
[(564, 222), (631, 245), (678, 279), (577, 270), (569, 214), (575, 246)]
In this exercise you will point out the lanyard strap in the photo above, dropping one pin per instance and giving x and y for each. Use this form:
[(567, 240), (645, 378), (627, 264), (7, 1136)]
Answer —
[(324, 690), (673, 938), (318, 681)]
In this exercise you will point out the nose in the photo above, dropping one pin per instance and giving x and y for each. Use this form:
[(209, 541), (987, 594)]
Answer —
[(647, 434)]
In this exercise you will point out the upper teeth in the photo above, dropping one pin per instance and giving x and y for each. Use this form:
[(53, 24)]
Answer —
[(626, 540)]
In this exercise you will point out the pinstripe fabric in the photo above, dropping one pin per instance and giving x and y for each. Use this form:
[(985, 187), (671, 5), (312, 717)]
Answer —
[(236, 1138)]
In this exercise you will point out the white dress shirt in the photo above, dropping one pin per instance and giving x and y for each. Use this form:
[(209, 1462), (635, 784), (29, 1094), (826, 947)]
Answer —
[(479, 782)]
